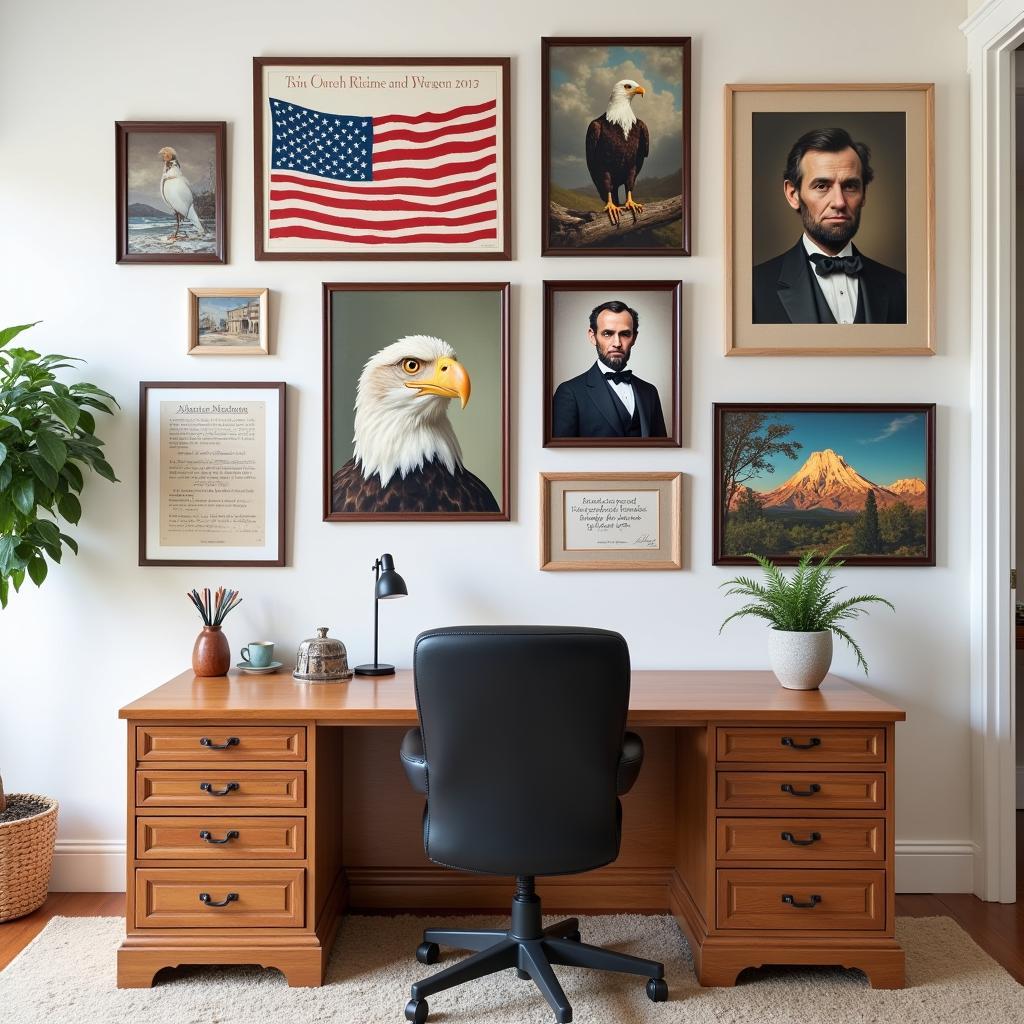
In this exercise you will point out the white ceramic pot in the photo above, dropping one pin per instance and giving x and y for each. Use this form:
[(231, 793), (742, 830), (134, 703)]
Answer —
[(800, 660)]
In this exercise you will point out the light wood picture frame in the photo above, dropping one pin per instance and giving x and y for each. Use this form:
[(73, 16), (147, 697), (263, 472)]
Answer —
[(228, 322), (212, 473), (777, 301), (610, 521)]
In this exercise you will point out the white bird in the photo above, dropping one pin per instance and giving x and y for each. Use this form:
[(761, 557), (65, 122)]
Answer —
[(177, 193)]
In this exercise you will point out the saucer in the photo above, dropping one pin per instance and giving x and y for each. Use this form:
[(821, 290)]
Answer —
[(246, 667)]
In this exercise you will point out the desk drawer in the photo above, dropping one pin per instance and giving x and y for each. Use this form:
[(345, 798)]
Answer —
[(848, 791), (801, 839), (801, 900), (782, 745), (262, 897), (221, 788), (218, 744), (227, 838)]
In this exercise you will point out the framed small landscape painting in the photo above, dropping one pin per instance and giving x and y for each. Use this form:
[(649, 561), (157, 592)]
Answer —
[(228, 322), (797, 478), (171, 182)]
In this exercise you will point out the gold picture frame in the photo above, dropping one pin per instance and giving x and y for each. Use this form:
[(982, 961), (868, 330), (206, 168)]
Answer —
[(611, 521), (767, 282), (228, 322)]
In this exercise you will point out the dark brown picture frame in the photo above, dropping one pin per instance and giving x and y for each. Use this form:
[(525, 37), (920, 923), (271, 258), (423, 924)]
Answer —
[(260, 181), (281, 388), (720, 410), (611, 290), (550, 247), (122, 130), (502, 290)]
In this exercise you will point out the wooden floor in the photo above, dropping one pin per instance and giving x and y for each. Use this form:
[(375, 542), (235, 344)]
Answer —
[(997, 927)]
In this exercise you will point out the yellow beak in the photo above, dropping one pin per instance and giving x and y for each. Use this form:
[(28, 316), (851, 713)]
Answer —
[(450, 380), (639, 90)]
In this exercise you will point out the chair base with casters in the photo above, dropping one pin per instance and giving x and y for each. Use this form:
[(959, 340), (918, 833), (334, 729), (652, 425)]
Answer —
[(529, 948)]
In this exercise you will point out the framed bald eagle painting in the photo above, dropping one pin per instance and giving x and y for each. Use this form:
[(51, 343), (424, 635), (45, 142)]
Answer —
[(615, 118), (416, 402)]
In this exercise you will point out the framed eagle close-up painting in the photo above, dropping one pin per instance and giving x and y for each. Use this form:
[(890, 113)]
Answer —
[(416, 414), (615, 121)]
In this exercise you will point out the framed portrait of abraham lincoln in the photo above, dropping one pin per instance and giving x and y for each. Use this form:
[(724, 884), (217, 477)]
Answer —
[(830, 215)]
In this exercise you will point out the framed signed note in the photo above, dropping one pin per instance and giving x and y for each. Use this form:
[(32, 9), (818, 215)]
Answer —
[(211, 468), (610, 521)]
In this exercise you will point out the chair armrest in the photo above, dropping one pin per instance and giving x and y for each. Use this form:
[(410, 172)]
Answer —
[(414, 761), (630, 760)]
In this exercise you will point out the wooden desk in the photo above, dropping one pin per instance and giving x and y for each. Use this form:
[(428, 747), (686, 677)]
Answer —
[(762, 819)]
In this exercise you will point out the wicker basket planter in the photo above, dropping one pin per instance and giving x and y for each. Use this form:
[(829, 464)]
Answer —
[(26, 857)]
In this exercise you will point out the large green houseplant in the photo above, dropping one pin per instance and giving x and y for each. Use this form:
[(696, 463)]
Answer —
[(47, 436), (804, 612)]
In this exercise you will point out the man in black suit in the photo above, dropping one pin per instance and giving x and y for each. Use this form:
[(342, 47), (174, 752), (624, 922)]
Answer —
[(608, 400), (824, 279)]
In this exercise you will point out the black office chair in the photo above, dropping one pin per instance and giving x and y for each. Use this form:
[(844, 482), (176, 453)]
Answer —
[(522, 754)]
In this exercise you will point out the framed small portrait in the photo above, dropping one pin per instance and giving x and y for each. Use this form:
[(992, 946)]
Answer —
[(610, 521), (211, 473), (171, 183), (228, 322), (391, 158), (611, 364), (615, 120), (831, 220), (791, 479), (416, 402)]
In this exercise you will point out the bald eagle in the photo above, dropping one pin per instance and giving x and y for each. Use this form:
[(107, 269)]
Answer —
[(176, 192), (406, 455), (617, 145)]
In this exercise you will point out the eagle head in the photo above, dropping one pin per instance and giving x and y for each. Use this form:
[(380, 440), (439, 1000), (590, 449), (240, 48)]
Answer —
[(401, 420), (620, 104)]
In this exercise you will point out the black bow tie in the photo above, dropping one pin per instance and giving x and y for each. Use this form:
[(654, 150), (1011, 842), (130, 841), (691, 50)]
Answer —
[(825, 265), (620, 377)]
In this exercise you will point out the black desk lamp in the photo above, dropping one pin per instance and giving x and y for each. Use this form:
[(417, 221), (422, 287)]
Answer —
[(389, 584)]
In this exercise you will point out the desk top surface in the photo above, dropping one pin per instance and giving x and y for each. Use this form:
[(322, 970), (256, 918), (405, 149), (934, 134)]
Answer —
[(673, 697)]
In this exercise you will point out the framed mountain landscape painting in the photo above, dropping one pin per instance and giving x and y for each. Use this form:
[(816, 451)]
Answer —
[(382, 158), (615, 122), (797, 478)]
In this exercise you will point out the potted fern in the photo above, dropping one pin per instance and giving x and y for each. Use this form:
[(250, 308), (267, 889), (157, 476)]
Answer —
[(804, 613), (47, 436)]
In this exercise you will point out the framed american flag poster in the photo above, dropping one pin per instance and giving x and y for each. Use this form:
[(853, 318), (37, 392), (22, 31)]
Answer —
[(386, 158)]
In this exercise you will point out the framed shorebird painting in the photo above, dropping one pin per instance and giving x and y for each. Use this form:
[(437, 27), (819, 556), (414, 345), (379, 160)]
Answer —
[(416, 407), (382, 158), (615, 120)]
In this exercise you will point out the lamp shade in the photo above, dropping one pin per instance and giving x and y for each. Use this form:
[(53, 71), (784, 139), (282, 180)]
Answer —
[(389, 584)]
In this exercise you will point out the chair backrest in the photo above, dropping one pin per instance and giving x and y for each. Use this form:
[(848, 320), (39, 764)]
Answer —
[(522, 731)]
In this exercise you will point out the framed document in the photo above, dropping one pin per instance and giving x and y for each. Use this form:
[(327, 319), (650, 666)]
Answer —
[(211, 473), (610, 521)]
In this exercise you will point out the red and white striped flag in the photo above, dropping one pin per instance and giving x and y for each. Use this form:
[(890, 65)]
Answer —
[(390, 180)]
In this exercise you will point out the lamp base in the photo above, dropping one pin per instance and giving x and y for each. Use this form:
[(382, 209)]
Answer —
[(374, 670)]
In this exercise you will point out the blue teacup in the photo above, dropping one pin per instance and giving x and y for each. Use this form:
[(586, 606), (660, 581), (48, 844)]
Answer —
[(259, 653)]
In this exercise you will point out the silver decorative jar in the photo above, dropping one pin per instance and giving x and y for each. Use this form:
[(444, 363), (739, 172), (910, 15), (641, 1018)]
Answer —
[(322, 659), (800, 661)]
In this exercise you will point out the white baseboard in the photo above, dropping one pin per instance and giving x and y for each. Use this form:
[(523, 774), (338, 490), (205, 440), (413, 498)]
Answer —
[(930, 866), (97, 865), (88, 865)]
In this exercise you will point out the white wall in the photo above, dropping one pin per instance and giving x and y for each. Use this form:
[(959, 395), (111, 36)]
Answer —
[(102, 630)]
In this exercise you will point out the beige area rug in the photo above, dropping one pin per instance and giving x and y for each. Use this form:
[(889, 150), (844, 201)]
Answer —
[(67, 974)]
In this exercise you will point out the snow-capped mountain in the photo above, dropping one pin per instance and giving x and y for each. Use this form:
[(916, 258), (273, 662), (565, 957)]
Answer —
[(912, 490)]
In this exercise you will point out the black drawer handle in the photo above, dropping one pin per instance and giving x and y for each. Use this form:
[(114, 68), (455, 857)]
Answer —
[(208, 838), (814, 788), (207, 787), (788, 741), (205, 741), (204, 897), (787, 898), (788, 837)]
